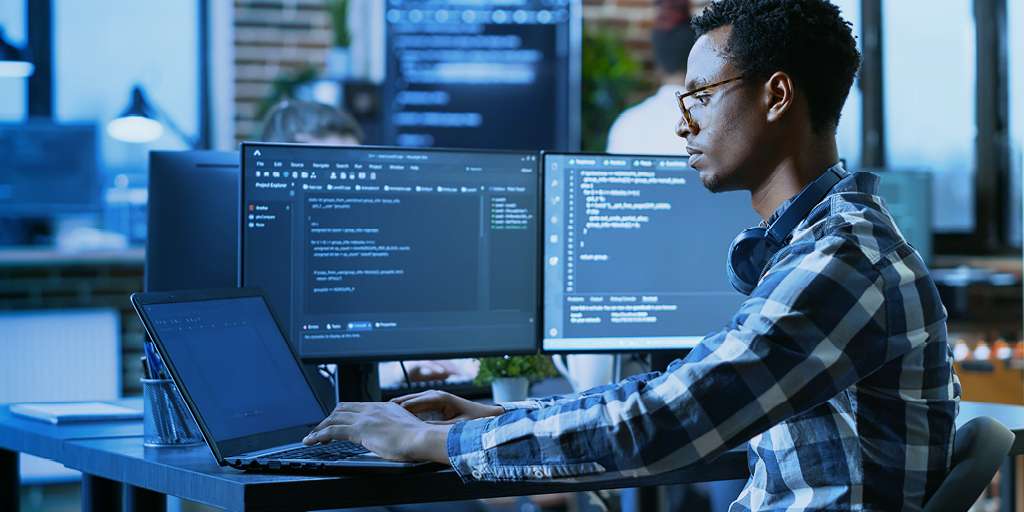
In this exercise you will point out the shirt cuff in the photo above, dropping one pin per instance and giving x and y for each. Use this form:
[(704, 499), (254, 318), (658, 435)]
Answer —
[(465, 450), (528, 405)]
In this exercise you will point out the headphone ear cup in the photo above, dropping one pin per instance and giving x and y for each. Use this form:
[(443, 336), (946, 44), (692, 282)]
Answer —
[(748, 255)]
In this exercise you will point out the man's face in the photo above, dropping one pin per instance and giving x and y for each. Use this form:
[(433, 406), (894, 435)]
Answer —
[(729, 121)]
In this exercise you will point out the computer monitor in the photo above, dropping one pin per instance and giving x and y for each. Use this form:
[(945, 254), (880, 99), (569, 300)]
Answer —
[(379, 253), (634, 253), (192, 225), (908, 197), (48, 169), (458, 74)]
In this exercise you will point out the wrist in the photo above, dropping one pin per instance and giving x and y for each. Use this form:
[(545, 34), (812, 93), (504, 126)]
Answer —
[(432, 444)]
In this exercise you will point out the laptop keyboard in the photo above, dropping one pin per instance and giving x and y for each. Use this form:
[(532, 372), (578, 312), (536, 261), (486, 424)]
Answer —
[(336, 450)]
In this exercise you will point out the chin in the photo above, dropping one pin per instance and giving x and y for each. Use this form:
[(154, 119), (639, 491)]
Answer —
[(711, 181)]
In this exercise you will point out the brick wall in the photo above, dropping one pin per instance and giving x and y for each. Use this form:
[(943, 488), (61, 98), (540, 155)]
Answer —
[(281, 36), (273, 37), (52, 281)]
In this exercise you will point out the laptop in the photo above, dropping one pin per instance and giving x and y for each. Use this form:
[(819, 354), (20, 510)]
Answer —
[(243, 384)]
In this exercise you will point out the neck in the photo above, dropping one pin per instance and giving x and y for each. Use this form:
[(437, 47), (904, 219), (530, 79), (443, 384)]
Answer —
[(792, 173)]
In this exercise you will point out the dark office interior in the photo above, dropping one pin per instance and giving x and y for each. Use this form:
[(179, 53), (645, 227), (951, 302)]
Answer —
[(151, 147)]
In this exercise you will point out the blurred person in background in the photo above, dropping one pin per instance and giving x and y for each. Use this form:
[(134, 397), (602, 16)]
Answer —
[(307, 122), (649, 127)]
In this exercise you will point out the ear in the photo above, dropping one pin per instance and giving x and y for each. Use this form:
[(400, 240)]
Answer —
[(779, 96)]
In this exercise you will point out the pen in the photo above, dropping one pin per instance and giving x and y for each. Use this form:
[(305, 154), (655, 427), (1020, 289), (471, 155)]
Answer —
[(155, 364)]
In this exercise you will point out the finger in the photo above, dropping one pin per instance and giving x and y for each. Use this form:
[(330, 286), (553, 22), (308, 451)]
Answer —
[(350, 407), (331, 433), (425, 403), (403, 398), (335, 418)]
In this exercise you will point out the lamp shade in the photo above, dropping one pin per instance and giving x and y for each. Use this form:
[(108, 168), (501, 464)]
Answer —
[(137, 123), (13, 61)]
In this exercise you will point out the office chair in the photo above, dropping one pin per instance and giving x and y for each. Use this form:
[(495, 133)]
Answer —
[(979, 448)]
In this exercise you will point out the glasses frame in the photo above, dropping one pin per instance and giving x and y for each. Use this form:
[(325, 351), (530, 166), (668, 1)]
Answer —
[(680, 96)]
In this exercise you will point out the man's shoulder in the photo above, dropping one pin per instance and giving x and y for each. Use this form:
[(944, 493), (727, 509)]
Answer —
[(855, 219)]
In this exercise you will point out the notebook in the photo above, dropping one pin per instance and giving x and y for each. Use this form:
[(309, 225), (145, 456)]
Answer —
[(75, 412)]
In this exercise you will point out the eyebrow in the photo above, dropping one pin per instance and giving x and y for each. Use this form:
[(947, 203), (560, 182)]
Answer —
[(695, 83)]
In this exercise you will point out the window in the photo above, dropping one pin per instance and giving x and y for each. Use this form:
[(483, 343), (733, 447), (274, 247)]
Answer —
[(929, 85), (1015, 59), (849, 133)]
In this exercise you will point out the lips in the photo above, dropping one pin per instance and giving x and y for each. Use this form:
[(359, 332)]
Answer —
[(695, 155), (695, 159)]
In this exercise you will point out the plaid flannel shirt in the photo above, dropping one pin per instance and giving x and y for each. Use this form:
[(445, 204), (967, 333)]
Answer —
[(836, 371)]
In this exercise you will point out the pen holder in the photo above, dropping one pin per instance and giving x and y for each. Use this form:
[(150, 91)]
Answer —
[(166, 421)]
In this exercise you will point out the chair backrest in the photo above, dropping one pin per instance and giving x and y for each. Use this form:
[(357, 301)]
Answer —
[(979, 448)]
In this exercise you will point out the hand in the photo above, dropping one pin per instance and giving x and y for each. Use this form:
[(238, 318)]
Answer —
[(386, 429), (451, 408), (426, 371)]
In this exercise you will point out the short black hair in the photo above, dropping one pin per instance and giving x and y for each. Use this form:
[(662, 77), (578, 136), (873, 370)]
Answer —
[(807, 39)]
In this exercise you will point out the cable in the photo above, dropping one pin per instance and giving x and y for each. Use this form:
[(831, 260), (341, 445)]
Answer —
[(408, 382)]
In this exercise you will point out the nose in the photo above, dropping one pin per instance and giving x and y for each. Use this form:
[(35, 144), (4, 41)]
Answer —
[(683, 129)]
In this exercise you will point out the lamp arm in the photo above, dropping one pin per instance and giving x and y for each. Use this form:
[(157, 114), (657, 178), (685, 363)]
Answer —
[(193, 142)]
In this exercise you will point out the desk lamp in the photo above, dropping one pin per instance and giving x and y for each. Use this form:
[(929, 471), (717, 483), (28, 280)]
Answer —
[(142, 121), (13, 61)]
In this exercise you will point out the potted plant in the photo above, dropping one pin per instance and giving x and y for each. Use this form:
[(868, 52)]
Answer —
[(611, 77), (338, 57), (510, 376)]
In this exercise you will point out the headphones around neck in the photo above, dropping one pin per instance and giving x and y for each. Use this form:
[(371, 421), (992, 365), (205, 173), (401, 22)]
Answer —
[(750, 252)]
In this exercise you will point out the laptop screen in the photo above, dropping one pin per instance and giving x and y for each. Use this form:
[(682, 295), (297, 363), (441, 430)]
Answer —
[(235, 364)]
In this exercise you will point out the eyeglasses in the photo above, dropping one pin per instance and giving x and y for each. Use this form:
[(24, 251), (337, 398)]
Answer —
[(702, 98)]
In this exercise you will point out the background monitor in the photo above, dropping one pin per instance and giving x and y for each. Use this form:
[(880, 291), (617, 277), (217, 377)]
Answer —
[(38, 181), (908, 197), (485, 74), (384, 253), (192, 225), (634, 253)]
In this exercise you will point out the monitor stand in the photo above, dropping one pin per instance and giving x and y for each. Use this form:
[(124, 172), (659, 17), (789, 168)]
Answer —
[(358, 382)]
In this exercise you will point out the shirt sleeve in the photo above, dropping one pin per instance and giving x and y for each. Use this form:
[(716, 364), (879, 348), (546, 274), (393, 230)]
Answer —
[(815, 325), (539, 403)]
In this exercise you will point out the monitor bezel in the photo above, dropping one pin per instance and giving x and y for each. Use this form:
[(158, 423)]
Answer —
[(246, 146), (543, 271), (234, 446)]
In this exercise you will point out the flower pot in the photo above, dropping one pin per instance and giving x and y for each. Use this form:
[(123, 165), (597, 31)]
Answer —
[(510, 389)]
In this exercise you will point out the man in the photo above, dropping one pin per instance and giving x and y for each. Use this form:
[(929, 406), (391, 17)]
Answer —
[(836, 368), (646, 128), (309, 122)]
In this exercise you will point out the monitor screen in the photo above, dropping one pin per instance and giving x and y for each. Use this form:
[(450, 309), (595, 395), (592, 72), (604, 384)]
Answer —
[(461, 73), (235, 365), (36, 180), (386, 253), (634, 253)]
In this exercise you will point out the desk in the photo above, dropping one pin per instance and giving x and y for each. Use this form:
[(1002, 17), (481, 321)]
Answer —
[(111, 454)]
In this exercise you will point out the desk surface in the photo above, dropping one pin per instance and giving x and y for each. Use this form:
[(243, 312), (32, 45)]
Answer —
[(115, 451), (26, 435)]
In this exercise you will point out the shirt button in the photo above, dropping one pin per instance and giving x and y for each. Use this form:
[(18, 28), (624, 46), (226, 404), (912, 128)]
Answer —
[(538, 473), (476, 474)]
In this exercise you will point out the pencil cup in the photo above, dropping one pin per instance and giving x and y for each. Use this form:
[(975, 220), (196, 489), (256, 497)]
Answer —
[(166, 421)]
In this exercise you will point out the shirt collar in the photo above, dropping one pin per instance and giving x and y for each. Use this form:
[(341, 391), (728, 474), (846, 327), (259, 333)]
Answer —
[(844, 185)]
